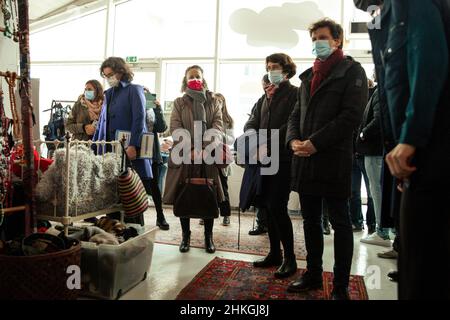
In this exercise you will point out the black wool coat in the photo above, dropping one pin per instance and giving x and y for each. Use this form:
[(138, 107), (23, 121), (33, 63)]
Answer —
[(328, 119)]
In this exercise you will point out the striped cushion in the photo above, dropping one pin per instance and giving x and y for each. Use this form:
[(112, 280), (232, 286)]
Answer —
[(132, 193)]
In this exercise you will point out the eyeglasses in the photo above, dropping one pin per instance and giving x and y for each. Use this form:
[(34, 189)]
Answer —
[(108, 76)]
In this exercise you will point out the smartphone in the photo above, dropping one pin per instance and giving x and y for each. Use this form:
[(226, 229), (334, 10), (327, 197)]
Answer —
[(150, 99)]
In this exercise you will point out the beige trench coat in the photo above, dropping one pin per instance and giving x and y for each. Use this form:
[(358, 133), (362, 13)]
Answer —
[(182, 118)]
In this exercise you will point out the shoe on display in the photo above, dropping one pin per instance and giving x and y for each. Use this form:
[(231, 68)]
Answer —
[(376, 240)]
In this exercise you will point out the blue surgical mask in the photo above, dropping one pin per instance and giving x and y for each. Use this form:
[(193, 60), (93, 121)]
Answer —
[(322, 49), (276, 77), (89, 95)]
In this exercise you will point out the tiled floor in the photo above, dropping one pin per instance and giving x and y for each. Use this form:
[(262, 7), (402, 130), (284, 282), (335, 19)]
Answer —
[(171, 271)]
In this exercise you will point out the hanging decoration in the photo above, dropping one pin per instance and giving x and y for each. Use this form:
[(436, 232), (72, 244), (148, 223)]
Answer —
[(10, 17), (27, 116), (5, 178), (11, 78)]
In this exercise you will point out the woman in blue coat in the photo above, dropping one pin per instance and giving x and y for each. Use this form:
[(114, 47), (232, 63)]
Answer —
[(124, 110)]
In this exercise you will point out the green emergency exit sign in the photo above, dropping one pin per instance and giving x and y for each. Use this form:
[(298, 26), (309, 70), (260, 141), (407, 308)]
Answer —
[(132, 59)]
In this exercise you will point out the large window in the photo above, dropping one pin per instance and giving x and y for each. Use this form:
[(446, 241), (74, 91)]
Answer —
[(169, 28), (257, 28), (80, 39), (61, 82)]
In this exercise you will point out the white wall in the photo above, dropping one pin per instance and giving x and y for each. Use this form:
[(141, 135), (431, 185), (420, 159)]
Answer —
[(9, 58)]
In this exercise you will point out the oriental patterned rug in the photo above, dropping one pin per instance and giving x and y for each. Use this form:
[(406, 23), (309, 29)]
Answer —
[(224, 279)]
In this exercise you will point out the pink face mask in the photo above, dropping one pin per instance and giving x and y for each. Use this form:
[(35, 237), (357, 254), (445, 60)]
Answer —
[(195, 84)]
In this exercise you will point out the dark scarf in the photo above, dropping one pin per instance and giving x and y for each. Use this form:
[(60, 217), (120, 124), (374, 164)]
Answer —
[(322, 69), (198, 106)]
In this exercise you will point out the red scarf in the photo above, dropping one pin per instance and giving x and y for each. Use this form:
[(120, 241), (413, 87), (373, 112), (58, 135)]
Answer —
[(322, 69), (270, 91)]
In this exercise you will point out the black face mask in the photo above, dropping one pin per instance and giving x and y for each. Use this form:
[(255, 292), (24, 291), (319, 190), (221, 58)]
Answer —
[(365, 4)]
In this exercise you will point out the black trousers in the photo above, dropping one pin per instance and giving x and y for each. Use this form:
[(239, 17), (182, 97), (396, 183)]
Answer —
[(424, 253), (186, 225), (152, 187), (276, 191), (225, 208), (338, 212)]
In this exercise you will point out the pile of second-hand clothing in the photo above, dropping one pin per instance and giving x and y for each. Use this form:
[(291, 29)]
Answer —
[(104, 231), (92, 184)]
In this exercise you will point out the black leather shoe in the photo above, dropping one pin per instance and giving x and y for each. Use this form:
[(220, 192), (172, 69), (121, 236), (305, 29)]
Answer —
[(162, 224), (185, 242), (393, 276), (226, 221), (306, 283), (287, 269), (340, 293), (258, 231), (209, 244), (271, 260)]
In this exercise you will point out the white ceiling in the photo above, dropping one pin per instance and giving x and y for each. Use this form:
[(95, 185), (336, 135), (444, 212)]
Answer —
[(42, 9)]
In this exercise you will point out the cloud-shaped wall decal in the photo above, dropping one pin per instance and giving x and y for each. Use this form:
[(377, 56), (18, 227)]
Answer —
[(275, 26)]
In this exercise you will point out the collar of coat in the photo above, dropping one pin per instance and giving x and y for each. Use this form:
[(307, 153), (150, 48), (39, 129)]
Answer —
[(339, 71)]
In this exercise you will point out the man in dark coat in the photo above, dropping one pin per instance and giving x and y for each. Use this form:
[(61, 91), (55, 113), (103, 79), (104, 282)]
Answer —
[(331, 102)]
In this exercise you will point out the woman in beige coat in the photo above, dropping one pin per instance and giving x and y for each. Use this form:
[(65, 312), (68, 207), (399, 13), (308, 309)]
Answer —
[(197, 103), (83, 119)]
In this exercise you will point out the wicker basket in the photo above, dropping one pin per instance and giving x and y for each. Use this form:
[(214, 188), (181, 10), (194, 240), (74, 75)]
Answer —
[(41, 277)]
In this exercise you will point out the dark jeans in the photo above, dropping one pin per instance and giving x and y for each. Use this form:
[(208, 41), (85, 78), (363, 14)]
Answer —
[(424, 253), (152, 187), (186, 225), (359, 172), (225, 209), (276, 191), (343, 236)]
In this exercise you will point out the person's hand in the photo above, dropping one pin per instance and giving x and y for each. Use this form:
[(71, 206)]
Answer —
[(399, 161), (131, 153), (296, 144), (89, 129), (306, 149)]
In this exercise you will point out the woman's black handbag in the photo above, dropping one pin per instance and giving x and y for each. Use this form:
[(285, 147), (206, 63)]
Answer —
[(197, 198)]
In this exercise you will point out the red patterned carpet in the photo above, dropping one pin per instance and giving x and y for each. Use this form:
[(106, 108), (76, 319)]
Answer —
[(226, 238), (224, 279)]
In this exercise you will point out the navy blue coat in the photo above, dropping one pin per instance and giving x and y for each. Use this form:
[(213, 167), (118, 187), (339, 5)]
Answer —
[(124, 109)]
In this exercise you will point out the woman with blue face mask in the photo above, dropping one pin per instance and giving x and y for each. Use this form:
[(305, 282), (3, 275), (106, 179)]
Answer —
[(272, 113), (86, 112)]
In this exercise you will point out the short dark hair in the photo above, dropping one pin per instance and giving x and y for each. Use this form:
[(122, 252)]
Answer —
[(335, 29), (286, 62), (118, 65), (99, 95), (185, 82)]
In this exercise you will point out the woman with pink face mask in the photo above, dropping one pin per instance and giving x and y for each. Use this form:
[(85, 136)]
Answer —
[(199, 105)]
